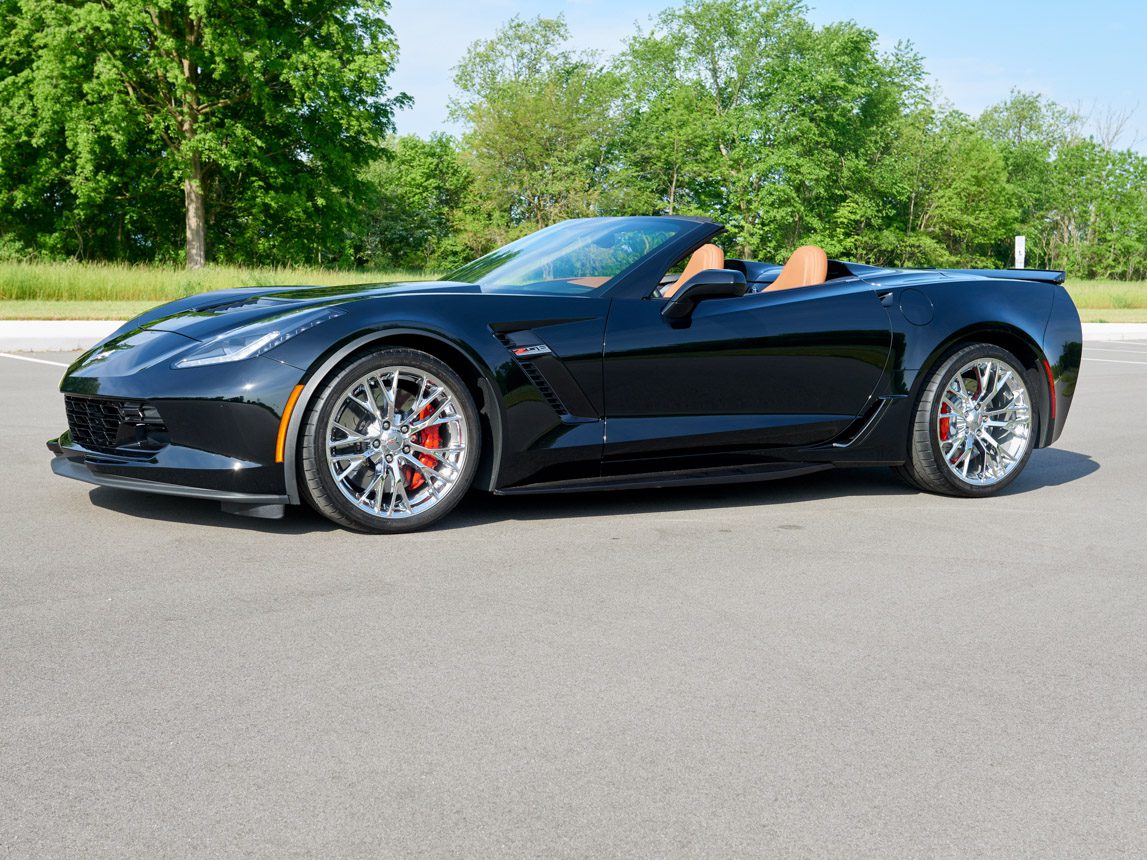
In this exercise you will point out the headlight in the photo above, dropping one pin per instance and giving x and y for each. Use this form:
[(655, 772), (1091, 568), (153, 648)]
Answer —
[(255, 339)]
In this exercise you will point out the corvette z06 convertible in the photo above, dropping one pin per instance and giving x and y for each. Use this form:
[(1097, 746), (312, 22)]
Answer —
[(597, 353)]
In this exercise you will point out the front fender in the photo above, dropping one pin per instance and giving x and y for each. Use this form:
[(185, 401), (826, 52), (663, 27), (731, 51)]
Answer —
[(324, 365)]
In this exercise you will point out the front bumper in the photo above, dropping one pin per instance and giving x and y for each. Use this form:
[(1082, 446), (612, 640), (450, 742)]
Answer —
[(220, 450), (67, 464), (207, 432)]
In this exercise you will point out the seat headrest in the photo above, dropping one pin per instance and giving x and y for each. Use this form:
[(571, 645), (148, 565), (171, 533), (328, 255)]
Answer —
[(807, 267), (706, 257)]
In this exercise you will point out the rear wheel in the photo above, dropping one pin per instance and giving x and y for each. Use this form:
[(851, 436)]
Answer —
[(974, 426), (391, 444)]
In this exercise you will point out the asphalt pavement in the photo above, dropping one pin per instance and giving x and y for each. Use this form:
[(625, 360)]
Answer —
[(832, 665)]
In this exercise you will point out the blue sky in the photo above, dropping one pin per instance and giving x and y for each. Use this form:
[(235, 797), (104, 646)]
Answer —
[(1085, 55)]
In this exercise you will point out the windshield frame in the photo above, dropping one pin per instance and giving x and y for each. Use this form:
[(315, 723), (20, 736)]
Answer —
[(688, 233)]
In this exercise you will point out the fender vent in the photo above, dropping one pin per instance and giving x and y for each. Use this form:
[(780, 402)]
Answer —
[(535, 376), (539, 381)]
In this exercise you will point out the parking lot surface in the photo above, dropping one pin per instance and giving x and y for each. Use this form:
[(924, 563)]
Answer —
[(831, 665)]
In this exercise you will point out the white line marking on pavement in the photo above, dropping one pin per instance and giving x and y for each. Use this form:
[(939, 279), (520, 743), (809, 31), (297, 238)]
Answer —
[(1116, 361), (1118, 351), (29, 358)]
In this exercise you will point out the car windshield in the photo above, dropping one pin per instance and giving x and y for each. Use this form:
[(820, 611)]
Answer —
[(574, 257)]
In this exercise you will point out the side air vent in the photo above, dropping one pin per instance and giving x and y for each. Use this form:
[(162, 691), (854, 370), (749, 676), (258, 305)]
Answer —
[(532, 373), (548, 392), (858, 429)]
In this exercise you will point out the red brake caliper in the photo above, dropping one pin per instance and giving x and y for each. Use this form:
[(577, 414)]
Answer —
[(945, 423), (428, 438)]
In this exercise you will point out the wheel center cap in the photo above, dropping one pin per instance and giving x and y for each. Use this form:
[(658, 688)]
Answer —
[(974, 420), (391, 440)]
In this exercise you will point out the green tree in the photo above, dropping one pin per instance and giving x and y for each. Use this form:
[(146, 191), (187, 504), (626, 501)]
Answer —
[(970, 207), (540, 123), (1098, 224), (1029, 132), (265, 110), (422, 190), (743, 110), (666, 134)]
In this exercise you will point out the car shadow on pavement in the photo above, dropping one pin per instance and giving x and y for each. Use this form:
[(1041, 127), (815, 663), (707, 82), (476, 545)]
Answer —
[(299, 519), (1052, 467), (1047, 468)]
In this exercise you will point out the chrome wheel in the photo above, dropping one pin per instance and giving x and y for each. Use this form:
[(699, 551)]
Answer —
[(395, 442), (984, 421)]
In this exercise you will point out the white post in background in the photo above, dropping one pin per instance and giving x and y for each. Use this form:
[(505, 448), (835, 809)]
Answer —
[(1021, 250)]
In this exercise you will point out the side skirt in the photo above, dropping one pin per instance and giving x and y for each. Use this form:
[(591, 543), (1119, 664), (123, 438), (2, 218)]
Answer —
[(681, 478)]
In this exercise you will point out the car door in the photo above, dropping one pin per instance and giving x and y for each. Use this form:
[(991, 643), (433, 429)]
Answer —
[(776, 368)]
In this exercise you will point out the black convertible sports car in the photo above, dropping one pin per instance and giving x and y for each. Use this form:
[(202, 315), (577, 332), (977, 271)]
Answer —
[(597, 353)]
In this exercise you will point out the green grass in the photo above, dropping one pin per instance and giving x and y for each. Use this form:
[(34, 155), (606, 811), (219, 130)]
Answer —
[(112, 291), (1113, 315), (1109, 295), (36, 309), (101, 282)]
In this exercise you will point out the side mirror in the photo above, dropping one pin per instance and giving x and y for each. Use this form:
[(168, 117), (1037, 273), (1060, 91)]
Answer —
[(709, 284)]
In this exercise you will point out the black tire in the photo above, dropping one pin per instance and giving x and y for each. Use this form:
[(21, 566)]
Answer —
[(330, 497), (926, 468)]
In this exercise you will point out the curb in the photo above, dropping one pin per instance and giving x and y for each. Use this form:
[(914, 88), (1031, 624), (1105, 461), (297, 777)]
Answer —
[(1114, 331), (53, 335), (70, 335)]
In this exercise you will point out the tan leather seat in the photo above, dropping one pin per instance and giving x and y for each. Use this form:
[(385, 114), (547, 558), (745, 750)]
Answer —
[(806, 267), (705, 257)]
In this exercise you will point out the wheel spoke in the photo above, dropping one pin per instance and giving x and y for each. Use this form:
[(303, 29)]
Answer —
[(437, 452), (355, 462), (366, 403), (374, 482), (428, 470), (351, 437), (424, 399), (997, 449), (435, 418), (392, 397), (955, 444), (985, 380), (400, 487), (956, 405), (1001, 381), (1009, 424), (1021, 411), (427, 474)]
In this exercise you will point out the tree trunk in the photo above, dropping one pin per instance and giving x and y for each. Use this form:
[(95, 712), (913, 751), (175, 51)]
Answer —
[(196, 215)]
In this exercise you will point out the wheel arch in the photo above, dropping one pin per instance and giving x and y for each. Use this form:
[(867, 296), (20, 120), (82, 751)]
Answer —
[(1016, 341), (478, 378)]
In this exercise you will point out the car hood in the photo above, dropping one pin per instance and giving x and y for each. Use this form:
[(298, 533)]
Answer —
[(208, 315)]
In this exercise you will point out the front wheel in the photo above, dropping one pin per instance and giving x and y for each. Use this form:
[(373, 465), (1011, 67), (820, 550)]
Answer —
[(391, 444), (974, 426)]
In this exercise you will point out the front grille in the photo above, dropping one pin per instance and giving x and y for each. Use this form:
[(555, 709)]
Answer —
[(115, 426)]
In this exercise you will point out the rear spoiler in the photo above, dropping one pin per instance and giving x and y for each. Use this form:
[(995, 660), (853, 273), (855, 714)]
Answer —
[(1042, 275)]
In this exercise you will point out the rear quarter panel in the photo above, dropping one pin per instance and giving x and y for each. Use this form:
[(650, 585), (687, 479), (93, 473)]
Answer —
[(963, 308)]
